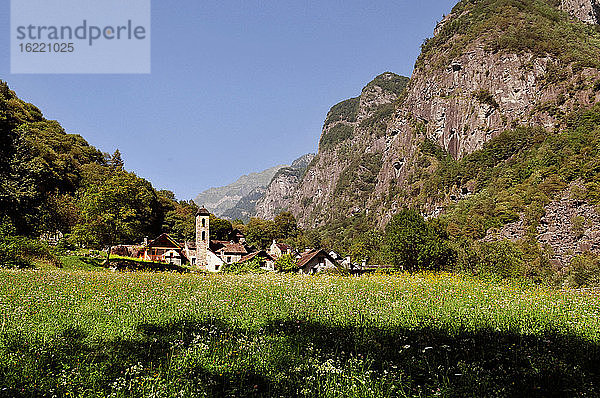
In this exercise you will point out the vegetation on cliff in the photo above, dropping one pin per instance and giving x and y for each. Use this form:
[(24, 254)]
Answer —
[(515, 26)]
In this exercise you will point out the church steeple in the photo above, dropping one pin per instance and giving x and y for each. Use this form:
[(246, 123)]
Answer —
[(202, 236)]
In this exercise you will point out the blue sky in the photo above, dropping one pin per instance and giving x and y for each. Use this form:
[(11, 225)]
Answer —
[(236, 86)]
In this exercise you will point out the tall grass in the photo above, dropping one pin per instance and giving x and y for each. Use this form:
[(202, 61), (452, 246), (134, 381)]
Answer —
[(100, 334)]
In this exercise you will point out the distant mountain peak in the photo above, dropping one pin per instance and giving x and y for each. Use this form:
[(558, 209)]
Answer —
[(218, 200)]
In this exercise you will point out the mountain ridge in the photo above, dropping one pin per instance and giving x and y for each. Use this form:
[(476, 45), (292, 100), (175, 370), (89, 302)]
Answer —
[(492, 66), (220, 199)]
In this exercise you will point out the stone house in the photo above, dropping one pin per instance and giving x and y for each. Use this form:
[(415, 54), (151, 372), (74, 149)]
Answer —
[(279, 249), (267, 262), (314, 261), (229, 252)]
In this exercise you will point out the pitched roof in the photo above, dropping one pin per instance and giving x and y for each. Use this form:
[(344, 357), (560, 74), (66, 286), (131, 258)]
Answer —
[(218, 244), (260, 253), (307, 256), (283, 247), (234, 248), (165, 241)]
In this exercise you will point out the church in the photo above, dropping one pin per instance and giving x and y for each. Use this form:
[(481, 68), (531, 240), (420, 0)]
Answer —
[(204, 253)]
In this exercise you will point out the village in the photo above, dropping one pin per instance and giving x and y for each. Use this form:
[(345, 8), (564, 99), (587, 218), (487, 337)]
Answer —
[(211, 255)]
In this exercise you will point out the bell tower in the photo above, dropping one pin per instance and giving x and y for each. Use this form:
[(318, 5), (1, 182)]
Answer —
[(202, 237)]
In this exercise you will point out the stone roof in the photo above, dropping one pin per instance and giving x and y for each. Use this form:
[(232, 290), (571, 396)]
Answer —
[(203, 212), (306, 257), (260, 253), (283, 247), (234, 248)]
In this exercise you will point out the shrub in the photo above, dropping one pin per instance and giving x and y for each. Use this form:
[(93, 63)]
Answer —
[(345, 110), (390, 82), (286, 263), (246, 267), (336, 134), (485, 97), (584, 271), (578, 226), (20, 252), (502, 258)]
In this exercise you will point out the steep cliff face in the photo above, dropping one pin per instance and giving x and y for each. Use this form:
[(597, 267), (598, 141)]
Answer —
[(340, 179), (281, 188), (492, 65), (470, 86)]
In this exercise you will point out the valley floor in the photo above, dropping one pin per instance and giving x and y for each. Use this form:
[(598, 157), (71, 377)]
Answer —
[(86, 333)]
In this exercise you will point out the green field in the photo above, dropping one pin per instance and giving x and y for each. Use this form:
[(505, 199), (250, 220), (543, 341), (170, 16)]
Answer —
[(83, 333)]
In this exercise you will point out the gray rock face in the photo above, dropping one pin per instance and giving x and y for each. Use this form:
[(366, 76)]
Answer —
[(569, 227), (221, 199), (354, 160), (245, 208), (282, 188), (586, 10)]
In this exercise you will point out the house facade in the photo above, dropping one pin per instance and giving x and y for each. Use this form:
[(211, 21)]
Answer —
[(314, 261), (277, 250), (165, 250)]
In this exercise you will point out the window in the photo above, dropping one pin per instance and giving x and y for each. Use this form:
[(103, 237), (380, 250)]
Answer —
[(204, 235), (228, 260), (204, 222)]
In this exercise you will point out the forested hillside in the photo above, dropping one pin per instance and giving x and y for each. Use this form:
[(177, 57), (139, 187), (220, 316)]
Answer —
[(54, 181)]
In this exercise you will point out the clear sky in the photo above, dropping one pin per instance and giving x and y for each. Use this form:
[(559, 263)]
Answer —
[(236, 86)]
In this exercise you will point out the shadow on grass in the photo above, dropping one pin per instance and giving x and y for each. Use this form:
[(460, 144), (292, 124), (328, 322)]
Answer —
[(461, 364)]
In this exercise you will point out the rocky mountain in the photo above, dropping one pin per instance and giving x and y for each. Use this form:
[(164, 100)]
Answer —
[(219, 200), (245, 198), (245, 208), (281, 188), (498, 79)]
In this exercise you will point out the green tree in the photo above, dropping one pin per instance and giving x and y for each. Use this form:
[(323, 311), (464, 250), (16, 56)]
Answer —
[(116, 161), (260, 232), (286, 226), (367, 247), (220, 229), (178, 217), (121, 210), (414, 244)]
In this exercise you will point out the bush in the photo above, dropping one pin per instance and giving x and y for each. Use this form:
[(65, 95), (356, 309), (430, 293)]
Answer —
[(286, 263), (501, 258), (336, 134), (345, 110), (584, 271), (391, 82), (20, 252), (485, 97), (247, 267)]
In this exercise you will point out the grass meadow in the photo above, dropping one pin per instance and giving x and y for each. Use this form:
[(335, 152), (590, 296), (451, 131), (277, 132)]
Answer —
[(89, 333)]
